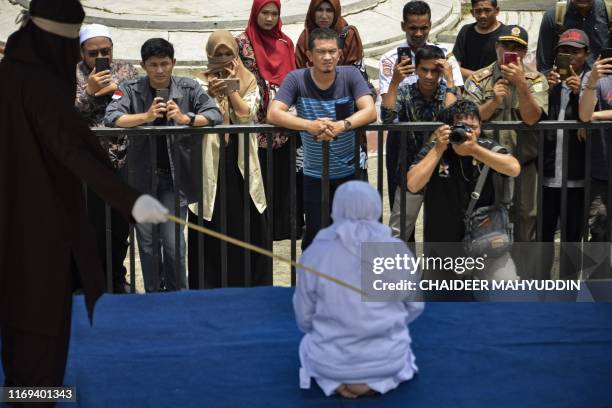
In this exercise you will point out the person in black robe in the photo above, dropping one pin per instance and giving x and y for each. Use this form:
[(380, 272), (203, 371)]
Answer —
[(47, 245)]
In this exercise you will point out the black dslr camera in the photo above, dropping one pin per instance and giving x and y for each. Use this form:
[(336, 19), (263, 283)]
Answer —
[(459, 133)]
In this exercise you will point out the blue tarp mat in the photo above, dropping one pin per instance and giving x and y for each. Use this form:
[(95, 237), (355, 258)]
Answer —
[(238, 348)]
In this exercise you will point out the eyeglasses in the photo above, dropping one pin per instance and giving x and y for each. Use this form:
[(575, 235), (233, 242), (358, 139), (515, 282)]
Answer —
[(104, 52)]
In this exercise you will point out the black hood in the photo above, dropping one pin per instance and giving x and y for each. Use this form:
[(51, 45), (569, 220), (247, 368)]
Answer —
[(50, 52)]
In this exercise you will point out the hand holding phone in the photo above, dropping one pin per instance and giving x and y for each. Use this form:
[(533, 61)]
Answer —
[(511, 58), (403, 66), (606, 53), (404, 54), (512, 69), (563, 66), (158, 107), (102, 64), (232, 85), (601, 68), (163, 93), (100, 78)]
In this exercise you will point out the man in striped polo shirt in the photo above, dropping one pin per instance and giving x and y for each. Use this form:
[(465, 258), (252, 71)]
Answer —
[(331, 102)]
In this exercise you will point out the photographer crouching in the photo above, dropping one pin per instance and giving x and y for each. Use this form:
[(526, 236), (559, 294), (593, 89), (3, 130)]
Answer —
[(465, 179)]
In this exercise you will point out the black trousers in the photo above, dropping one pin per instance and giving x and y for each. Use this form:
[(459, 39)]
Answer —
[(312, 205), (35, 360), (551, 213), (120, 230)]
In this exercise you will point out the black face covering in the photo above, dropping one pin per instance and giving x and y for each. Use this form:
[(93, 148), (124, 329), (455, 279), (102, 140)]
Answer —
[(55, 54)]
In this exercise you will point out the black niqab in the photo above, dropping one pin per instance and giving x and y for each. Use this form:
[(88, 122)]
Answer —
[(56, 54)]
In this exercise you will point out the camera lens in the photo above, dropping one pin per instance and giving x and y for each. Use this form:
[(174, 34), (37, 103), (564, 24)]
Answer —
[(459, 133)]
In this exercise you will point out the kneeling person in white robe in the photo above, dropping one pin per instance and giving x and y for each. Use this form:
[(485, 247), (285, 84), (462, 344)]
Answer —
[(350, 346)]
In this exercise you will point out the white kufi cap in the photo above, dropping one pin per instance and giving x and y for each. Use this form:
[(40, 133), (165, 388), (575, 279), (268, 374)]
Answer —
[(93, 30)]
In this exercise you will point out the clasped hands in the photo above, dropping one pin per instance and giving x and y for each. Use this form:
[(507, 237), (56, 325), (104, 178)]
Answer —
[(325, 129)]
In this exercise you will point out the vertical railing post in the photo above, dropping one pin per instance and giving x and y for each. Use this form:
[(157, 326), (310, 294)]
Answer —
[(403, 184), (109, 247), (270, 197), (132, 249), (587, 198), (325, 202), (155, 234), (379, 169), (178, 273), (246, 209), (293, 201), (200, 172), (222, 180)]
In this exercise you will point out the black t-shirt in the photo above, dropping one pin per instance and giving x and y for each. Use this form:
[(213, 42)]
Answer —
[(474, 50), (447, 194), (163, 160)]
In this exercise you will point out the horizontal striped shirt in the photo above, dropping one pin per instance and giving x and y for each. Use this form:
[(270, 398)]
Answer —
[(337, 103)]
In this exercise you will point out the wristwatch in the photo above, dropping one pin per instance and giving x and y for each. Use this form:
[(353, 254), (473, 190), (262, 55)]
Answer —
[(192, 117), (452, 89), (347, 125)]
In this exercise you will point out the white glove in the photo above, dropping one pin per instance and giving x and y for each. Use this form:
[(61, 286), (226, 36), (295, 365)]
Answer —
[(148, 210)]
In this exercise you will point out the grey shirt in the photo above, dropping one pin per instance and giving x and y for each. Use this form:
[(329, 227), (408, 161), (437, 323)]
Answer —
[(135, 97), (594, 24)]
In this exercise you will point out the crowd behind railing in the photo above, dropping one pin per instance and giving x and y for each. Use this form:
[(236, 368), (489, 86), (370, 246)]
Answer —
[(264, 184), (467, 141)]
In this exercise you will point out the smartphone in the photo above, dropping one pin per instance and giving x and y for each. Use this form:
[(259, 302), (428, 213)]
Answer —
[(606, 53), (233, 84), (511, 58), (102, 64), (163, 93), (563, 66), (403, 54)]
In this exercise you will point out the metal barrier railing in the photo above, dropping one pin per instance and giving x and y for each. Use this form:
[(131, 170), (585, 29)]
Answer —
[(405, 130)]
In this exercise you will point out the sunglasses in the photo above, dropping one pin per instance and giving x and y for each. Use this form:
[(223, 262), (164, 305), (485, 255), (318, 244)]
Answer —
[(104, 52)]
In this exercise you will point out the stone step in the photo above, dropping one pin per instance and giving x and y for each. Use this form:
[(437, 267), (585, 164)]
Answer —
[(192, 15), (379, 25), (530, 20)]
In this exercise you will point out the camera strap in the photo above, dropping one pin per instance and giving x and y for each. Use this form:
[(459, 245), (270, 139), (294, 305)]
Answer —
[(476, 193), (479, 185)]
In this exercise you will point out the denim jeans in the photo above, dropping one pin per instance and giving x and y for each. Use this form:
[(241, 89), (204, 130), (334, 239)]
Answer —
[(146, 246)]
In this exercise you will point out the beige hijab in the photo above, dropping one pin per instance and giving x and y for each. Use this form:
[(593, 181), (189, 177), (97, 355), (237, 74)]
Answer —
[(211, 144), (217, 65)]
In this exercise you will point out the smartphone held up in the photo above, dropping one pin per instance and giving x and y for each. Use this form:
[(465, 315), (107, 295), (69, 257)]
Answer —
[(606, 53), (233, 84), (511, 58), (562, 63), (163, 93), (102, 64), (404, 54)]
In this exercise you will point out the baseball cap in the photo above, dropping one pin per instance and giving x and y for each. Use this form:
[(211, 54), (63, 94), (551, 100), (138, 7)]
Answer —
[(574, 38)]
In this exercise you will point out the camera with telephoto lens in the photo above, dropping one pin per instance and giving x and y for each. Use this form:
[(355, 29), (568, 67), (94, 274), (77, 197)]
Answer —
[(459, 133)]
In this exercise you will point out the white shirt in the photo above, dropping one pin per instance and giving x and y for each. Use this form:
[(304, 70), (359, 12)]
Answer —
[(387, 62), (556, 181), (347, 339)]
